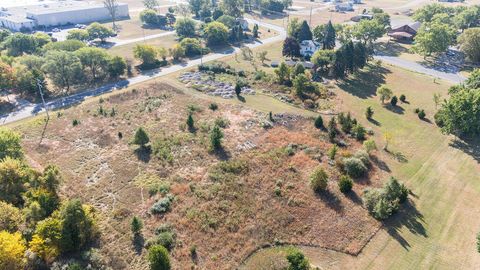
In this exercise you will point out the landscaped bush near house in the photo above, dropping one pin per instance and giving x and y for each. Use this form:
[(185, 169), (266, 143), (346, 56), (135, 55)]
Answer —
[(354, 167)]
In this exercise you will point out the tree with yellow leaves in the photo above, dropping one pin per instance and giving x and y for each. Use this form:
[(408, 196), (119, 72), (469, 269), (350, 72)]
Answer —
[(388, 139), (45, 249), (12, 251)]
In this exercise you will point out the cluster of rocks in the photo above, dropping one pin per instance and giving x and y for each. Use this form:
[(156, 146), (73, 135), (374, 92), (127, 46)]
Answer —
[(247, 145), (284, 98), (206, 84)]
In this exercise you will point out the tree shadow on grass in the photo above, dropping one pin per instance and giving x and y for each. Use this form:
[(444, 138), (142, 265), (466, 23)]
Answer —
[(426, 120), (138, 243), (222, 154), (409, 217), (375, 122), (470, 147), (331, 200), (395, 109), (380, 163), (144, 153), (241, 98), (353, 196), (389, 49), (365, 82)]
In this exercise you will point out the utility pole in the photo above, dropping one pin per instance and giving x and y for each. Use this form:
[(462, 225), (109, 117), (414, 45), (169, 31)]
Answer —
[(43, 99)]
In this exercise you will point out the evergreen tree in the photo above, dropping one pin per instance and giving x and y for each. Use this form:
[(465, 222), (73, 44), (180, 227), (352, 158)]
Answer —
[(190, 122), (291, 48), (349, 56), (319, 122), (136, 225), (238, 89), (283, 73), (216, 136), (158, 258), (369, 112), (339, 64), (255, 31), (332, 129), (78, 228), (305, 33), (330, 36), (141, 137), (360, 52)]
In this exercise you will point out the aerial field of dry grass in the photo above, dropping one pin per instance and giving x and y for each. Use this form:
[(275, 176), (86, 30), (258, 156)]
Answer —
[(226, 204), (438, 229)]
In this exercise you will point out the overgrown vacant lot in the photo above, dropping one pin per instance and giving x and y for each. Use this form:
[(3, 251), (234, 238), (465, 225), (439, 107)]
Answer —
[(225, 204)]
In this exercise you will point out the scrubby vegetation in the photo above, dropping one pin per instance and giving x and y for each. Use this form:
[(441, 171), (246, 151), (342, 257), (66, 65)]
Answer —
[(383, 202), (188, 193)]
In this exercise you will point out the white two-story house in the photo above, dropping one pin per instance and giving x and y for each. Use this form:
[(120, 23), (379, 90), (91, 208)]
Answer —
[(308, 47)]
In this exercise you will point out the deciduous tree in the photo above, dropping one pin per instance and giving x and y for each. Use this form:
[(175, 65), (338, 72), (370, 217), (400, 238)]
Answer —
[(384, 93), (112, 7), (469, 42), (185, 27), (291, 48), (216, 33), (98, 31), (63, 68), (433, 38)]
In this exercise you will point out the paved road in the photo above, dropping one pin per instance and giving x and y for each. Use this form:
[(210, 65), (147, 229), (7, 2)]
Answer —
[(454, 77), (27, 110)]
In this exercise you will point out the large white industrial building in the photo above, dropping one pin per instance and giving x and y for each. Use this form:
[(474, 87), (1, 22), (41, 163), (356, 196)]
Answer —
[(22, 18)]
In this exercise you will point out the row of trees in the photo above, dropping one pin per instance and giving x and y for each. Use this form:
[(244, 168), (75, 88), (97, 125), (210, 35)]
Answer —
[(151, 17), (33, 217), (441, 26), (64, 63), (219, 32), (366, 31), (36, 58)]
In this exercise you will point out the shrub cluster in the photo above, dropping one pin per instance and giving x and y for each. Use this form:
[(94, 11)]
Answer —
[(163, 205), (164, 236), (351, 126), (217, 67), (383, 202), (319, 180), (357, 165), (224, 169)]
